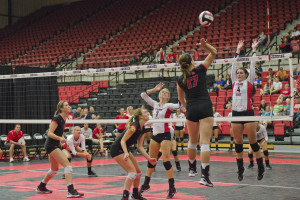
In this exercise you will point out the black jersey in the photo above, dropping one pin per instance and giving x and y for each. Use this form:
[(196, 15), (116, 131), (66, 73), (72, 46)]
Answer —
[(195, 88), (139, 132), (58, 131)]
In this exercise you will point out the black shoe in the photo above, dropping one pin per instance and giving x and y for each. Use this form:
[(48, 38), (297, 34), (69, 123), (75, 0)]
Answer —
[(139, 197), (250, 166), (260, 174), (205, 181), (144, 188), (178, 168), (63, 176), (91, 173), (42, 190), (171, 193), (74, 194), (240, 173), (268, 167)]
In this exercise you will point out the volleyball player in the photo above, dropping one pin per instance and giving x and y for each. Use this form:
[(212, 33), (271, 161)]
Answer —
[(193, 95), (243, 89), (179, 127), (148, 131), (161, 135), (72, 145), (262, 138), (119, 151), (56, 156), (121, 127), (216, 128)]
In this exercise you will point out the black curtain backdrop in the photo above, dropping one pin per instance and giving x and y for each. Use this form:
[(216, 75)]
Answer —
[(28, 98)]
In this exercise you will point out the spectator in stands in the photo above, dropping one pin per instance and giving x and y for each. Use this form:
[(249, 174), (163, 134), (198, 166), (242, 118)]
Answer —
[(262, 38), (270, 74), (257, 81), (77, 114), (276, 87), (228, 82), (197, 55), (86, 114), (129, 111), (262, 107), (294, 34), (267, 88), (87, 133), (282, 74), (122, 126), (285, 45), (287, 107), (16, 138), (160, 56), (258, 68), (219, 83), (296, 89), (278, 108), (98, 135), (286, 92), (93, 114), (69, 127), (248, 67), (171, 58), (296, 70), (228, 103), (268, 112)]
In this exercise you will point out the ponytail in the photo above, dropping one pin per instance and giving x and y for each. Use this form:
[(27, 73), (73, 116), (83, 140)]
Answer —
[(60, 105), (185, 61), (134, 118)]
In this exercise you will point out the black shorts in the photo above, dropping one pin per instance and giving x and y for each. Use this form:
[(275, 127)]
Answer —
[(49, 149), (242, 113), (215, 127), (179, 128), (147, 130), (258, 141), (120, 130), (116, 150), (161, 137), (199, 111)]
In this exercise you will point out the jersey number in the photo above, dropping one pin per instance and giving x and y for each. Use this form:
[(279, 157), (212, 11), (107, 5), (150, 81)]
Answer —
[(192, 82)]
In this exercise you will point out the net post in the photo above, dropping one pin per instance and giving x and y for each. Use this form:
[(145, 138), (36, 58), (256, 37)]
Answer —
[(291, 86)]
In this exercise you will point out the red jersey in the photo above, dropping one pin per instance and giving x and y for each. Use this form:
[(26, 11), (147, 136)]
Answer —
[(14, 136), (286, 92), (171, 58), (122, 126), (197, 56), (96, 131), (161, 56), (70, 117)]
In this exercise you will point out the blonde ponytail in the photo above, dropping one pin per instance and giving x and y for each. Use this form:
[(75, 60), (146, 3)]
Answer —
[(134, 118), (60, 105), (186, 66)]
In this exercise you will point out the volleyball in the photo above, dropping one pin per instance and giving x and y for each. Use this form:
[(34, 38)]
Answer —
[(206, 18)]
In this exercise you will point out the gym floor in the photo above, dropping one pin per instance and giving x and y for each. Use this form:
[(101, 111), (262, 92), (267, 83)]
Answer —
[(18, 180)]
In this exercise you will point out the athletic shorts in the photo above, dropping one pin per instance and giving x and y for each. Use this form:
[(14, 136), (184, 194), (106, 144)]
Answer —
[(179, 128), (120, 130), (116, 150), (161, 137), (242, 113), (215, 127), (147, 130), (49, 149), (258, 141), (199, 111)]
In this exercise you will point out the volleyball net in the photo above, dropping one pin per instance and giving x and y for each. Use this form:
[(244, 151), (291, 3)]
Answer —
[(30, 99)]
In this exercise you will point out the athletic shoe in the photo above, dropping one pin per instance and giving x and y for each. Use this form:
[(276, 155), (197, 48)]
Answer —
[(144, 188), (205, 181), (42, 190), (91, 173), (26, 159), (192, 173), (240, 173), (125, 198), (11, 160), (63, 176), (74, 194), (250, 166), (178, 168), (171, 193), (268, 166), (139, 197)]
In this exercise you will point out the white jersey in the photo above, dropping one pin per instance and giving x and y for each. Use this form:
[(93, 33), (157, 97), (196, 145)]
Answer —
[(129, 115), (171, 130), (180, 116), (230, 114), (87, 133), (160, 112), (262, 133), (216, 115), (148, 125), (72, 143)]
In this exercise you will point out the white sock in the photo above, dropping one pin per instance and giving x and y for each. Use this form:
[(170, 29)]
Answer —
[(191, 161), (43, 181), (204, 165)]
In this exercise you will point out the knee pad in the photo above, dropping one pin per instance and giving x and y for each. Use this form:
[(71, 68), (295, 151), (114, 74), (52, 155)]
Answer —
[(132, 175), (150, 165), (250, 155), (266, 153), (52, 173), (231, 138), (216, 139), (205, 147), (192, 146), (175, 153), (167, 165), (89, 161), (239, 148), (148, 141), (139, 175), (255, 147), (177, 139), (69, 159), (68, 169)]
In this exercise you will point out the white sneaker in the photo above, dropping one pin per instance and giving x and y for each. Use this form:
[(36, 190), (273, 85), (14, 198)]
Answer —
[(11, 160), (192, 173), (26, 159)]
